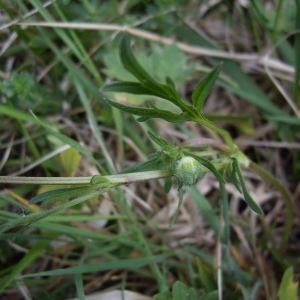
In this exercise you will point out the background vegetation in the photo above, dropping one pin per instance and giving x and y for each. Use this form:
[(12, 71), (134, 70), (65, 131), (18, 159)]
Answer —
[(56, 56)]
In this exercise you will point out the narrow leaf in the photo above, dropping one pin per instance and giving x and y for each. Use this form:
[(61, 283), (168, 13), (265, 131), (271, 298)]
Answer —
[(233, 178), (150, 165), (129, 264), (168, 185), (60, 192), (206, 163), (180, 196), (157, 139), (204, 87), (26, 260), (136, 88), (251, 203), (148, 113), (21, 223), (131, 64)]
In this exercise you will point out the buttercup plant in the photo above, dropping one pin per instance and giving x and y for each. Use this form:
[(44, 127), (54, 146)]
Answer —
[(179, 162)]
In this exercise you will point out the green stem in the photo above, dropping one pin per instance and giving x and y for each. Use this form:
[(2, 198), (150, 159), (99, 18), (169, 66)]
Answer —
[(287, 200), (222, 132), (114, 179)]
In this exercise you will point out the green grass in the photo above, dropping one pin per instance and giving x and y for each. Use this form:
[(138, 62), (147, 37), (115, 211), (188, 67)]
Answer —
[(51, 90)]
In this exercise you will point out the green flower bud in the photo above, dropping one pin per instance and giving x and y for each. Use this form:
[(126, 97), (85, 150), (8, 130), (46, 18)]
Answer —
[(188, 171)]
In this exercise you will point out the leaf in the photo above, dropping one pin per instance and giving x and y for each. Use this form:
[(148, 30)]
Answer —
[(232, 176), (33, 253), (61, 194), (211, 296), (70, 160), (131, 64), (181, 292), (166, 295), (21, 223), (251, 203), (204, 87), (288, 287), (206, 163), (148, 113), (168, 185), (157, 139), (172, 63), (127, 264), (150, 165), (101, 181), (46, 195), (134, 88), (180, 196)]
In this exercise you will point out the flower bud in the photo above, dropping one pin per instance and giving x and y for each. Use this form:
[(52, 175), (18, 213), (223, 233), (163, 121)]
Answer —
[(188, 171)]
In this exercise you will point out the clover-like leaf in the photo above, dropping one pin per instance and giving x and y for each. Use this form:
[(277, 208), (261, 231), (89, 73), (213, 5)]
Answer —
[(204, 87)]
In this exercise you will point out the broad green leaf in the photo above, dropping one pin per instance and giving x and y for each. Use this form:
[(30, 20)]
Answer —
[(170, 61), (181, 292), (70, 160), (157, 139), (204, 87), (288, 286), (251, 203)]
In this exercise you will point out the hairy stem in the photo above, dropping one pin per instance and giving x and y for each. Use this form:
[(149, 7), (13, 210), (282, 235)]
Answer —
[(114, 179)]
